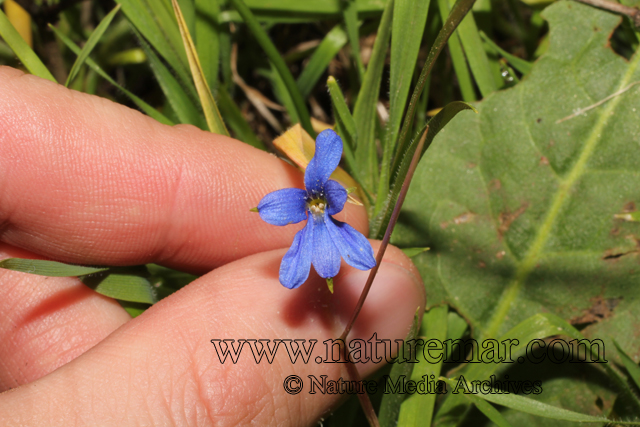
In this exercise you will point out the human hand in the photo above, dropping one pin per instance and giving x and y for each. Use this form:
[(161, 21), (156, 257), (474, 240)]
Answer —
[(87, 181)]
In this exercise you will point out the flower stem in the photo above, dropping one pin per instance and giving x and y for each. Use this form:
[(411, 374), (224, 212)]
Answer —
[(387, 235)]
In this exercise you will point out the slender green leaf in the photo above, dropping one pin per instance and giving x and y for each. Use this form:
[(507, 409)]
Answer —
[(436, 124), (345, 125), (179, 100), (149, 110), (364, 112), (418, 408), (319, 61), (208, 39), (134, 309), (458, 12), (632, 367), (489, 411), (390, 405), (316, 7), (154, 19), (350, 15), (535, 407), (125, 284), (236, 120), (518, 63), (476, 55), (277, 61), (48, 268), (463, 75), (95, 37), (409, 21), (22, 50), (209, 106), (411, 252), (280, 91)]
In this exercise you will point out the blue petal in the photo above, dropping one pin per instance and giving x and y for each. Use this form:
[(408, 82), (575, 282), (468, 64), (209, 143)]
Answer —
[(353, 246), (326, 258), (282, 207), (295, 266), (336, 196), (324, 161)]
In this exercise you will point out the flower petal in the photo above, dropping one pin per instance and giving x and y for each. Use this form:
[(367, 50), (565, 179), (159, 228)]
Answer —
[(295, 266), (326, 258), (282, 207), (353, 246), (336, 196), (324, 161)]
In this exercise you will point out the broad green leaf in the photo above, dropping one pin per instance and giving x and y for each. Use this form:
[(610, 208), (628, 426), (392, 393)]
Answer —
[(409, 21), (148, 109), (520, 211), (418, 408), (390, 405), (48, 268), (319, 61), (95, 37), (274, 56), (208, 103), (364, 112), (125, 284), (22, 50)]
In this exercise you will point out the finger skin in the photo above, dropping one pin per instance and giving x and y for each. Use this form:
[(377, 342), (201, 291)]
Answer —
[(45, 322), (85, 180), (161, 369)]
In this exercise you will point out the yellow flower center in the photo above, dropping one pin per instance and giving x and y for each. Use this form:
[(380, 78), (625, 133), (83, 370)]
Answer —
[(317, 206)]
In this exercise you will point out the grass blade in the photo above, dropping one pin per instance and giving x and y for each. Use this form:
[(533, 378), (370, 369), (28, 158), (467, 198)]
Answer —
[(94, 38), (476, 55), (364, 112), (22, 50), (350, 15), (518, 63), (48, 268), (211, 113), (418, 408), (465, 82), (155, 20), (124, 283), (236, 120), (409, 21), (345, 125), (390, 405), (146, 108), (179, 100), (489, 411), (208, 39), (631, 366), (277, 61), (458, 12), (319, 61)]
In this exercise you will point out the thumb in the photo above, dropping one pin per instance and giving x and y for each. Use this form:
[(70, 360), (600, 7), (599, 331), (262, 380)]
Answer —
[(162, 368)]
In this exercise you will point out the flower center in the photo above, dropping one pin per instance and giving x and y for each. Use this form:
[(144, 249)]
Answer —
[(317, 206)]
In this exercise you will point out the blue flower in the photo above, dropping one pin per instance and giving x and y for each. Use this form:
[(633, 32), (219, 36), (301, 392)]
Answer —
[(323, 240)]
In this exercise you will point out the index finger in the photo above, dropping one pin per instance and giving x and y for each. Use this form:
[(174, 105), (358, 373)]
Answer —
[(85, 180)]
